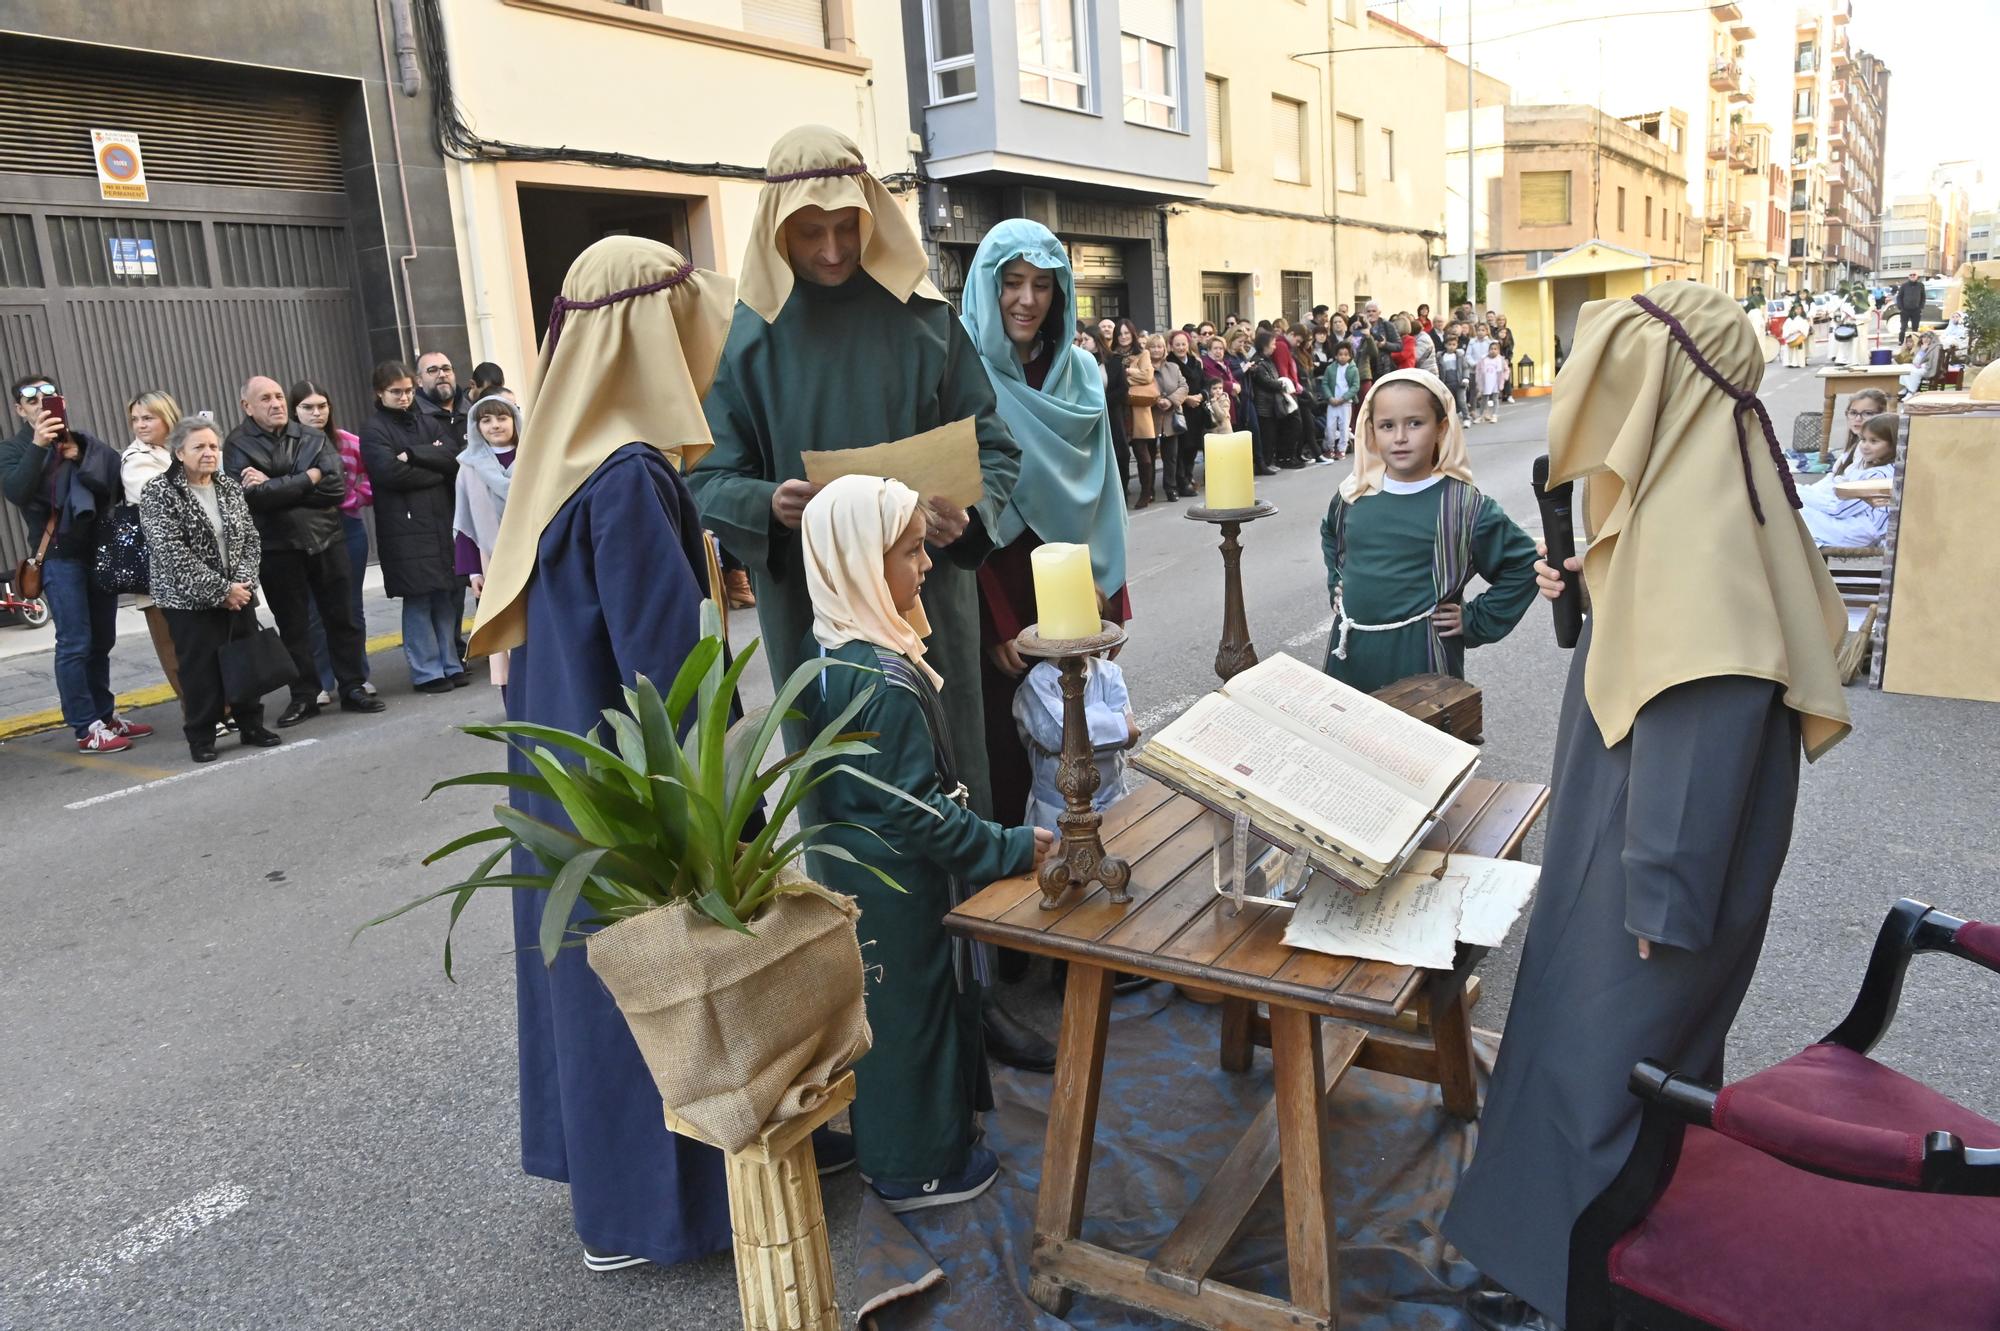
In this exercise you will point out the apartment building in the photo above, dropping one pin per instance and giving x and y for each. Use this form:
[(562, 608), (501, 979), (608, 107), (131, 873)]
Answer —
[(1080, 114), (1980, 244), (1554, 177), (1761, 251), (1913, 241), (588, 118), (1326, 186), (1837, 108)]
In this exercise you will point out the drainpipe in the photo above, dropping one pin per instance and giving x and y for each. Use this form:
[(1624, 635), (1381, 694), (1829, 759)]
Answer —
[(406, 334), (482, 307)]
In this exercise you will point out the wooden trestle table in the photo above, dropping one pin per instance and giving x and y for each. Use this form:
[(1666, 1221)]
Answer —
[(1326, 1015)]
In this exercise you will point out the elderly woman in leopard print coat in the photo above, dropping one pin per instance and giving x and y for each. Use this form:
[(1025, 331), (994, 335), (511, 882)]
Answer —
[(204, 551)]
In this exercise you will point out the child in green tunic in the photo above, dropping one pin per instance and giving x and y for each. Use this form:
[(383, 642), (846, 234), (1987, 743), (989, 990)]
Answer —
[(917, 1090), (1406, 533)]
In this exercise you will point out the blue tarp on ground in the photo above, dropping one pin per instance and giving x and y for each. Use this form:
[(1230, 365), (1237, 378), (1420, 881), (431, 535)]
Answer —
[(1167, 1117)]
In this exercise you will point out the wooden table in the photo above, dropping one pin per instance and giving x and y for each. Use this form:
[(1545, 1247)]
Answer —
[(1888, 378), (1394, 1019)]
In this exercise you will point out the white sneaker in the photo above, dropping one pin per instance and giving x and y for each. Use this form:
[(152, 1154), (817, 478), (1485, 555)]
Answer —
[(325, 699)]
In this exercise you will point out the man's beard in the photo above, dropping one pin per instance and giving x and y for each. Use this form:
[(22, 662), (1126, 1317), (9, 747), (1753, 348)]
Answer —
[(442, 394)]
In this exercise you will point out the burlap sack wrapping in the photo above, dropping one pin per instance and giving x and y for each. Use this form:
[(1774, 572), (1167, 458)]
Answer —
[(740, 1031)]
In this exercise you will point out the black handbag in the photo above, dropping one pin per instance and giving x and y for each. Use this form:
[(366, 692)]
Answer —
[(255, 663), (122, 562)]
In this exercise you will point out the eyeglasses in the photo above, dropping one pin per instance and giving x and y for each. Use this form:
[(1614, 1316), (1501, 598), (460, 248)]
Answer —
[(33, 391), (442, 367), (399, 392), (1858, 413)]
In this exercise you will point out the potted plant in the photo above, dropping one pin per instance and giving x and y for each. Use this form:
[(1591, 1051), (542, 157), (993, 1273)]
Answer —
[(740, 978)]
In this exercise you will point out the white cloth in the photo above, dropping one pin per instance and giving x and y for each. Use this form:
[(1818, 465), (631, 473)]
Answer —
[(849, 525), (1852, 523), (140, 463)]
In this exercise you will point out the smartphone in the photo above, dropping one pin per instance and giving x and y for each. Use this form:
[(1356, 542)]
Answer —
[(56, 407)]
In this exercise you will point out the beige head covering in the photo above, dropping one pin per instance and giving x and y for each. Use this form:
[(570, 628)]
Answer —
[(1369, 469), (633, 343), (849, 525), (820, 167), (1687, 581)]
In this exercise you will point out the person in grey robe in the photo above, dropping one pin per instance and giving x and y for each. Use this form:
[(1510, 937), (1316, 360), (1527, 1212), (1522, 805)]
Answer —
[(1704, 670)]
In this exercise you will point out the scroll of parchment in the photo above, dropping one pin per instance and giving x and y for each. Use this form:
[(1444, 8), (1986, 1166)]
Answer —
[(937, 464)]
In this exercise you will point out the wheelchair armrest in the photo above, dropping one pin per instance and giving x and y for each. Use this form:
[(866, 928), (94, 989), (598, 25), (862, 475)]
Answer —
[(1852, 1152)]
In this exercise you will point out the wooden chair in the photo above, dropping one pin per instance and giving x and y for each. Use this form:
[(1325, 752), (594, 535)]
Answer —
[(1828, 1192), (1860, 589)]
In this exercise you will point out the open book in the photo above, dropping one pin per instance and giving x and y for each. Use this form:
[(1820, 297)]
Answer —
[(1317, 765)]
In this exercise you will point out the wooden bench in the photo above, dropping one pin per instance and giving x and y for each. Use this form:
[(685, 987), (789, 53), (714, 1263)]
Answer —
[(1326, 1014)]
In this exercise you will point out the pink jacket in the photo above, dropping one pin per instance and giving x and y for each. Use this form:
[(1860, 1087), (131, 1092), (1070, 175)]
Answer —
[(1492, 374)]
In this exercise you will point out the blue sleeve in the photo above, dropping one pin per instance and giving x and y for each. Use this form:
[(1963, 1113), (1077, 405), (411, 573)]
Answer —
[(649, 596)]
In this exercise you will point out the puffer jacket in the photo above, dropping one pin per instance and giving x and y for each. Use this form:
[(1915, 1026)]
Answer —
[(292, 512), (414, 498), (188, 571)]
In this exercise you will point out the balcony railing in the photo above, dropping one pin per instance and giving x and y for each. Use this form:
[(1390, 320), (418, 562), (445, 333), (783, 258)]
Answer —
[(1730, 218), (1841, 10), (1746, 89), (1724, 75)]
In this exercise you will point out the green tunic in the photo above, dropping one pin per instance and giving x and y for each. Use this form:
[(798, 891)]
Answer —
[(918, 1088), (846, 367), (1386, 576)]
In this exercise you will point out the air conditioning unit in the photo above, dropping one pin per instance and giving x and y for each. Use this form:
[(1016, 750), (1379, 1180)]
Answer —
[(1040, 205)]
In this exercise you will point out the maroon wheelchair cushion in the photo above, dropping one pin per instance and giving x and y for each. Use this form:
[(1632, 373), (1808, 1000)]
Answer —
[(1744, 1241), (1982, 941)]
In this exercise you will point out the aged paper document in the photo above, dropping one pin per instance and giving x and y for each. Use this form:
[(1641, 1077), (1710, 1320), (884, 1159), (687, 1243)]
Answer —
[(937, 464), (1416, 918)]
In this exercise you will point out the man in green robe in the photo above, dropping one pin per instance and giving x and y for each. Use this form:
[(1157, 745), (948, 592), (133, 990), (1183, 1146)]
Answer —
[(839, 341)]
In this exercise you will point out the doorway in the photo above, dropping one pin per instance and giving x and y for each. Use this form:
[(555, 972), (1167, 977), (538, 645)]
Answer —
[(559, 224)]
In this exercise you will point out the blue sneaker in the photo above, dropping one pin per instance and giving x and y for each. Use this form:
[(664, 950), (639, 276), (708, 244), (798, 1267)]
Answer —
[(832, 1151), (981, 1168)]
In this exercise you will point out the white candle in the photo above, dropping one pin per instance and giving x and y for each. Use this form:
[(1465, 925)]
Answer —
[(1230, 483), (1065, 592)]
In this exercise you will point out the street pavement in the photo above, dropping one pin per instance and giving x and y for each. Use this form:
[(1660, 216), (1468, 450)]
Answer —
[(219, 1111)]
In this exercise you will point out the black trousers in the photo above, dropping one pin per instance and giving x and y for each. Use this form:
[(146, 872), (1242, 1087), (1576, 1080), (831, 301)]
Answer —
[(296, 583), (1909, 322), (198, 637)]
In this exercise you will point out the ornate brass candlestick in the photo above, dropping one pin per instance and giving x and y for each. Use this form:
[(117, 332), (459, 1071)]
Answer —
[(1235, 655), (1080, 859)]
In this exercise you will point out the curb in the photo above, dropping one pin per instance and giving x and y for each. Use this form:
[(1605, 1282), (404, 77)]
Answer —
[(34, 723)]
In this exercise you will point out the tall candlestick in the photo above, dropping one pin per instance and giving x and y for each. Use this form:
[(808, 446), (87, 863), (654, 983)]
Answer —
[(1231, 483), (1065, 592)]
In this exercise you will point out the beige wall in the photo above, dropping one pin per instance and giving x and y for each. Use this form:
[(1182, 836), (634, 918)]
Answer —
[(683, 86), (1375, 247)]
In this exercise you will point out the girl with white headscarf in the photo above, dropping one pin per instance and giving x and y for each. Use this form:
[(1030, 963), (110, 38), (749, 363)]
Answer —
[(905, 818), (492, 440)]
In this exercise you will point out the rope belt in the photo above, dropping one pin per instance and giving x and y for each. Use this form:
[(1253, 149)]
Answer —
[(1343, 625)]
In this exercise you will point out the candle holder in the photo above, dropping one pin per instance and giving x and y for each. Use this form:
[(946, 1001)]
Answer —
[(1080, 859), (1235, 655)]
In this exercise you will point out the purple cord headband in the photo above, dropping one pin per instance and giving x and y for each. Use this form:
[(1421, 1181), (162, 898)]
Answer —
[(1744, 399), (563, 304), (819, 173)]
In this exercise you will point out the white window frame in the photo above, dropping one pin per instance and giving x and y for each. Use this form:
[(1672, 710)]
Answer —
[(1350, 131), (1079, 13), (1170, 97), (1292, 107), (949, 65)]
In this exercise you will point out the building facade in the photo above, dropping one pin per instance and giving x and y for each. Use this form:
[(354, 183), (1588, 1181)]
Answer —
[(1566, 175), (643, 144), (1678, 75), (1761, 252), (1325, 190), (1838, 113), (1913, 240), (1980, 245), (284, 212), (1072, 113)]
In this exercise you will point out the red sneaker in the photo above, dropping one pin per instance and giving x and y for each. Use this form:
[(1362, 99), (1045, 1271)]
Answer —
[(124, 729), (101, 738)]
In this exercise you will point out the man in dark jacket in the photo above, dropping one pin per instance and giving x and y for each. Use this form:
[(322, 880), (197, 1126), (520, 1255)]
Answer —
[(63, 481), (292, 480), (438, 395), (1910, 305)]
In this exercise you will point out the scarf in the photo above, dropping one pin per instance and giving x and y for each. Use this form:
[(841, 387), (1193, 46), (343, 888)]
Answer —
[(820, 167), (849, 525), (633, 343), (1069, 489), (1369, 469), (482, 482), (1698, 566)]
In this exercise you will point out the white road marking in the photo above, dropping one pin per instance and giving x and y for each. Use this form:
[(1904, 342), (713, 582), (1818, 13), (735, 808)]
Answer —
[(1166, 711), (291, 747), (1317, 633), (1150, 570), (147, 1237)]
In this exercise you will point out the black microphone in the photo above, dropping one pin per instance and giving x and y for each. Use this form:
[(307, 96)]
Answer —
[(1560, 536)]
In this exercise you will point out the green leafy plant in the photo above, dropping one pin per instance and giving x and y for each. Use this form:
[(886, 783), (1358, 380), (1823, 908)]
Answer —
[(666, 813), (1982, 319)]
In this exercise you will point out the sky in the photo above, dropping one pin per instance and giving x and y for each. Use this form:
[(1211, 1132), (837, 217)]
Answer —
[(1940, 57)]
